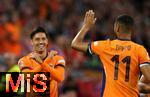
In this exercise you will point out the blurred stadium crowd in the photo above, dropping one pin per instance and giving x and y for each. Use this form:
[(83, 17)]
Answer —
[(62, 19)]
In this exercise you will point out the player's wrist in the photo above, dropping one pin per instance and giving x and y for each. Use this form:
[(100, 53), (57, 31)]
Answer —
[(48, 63), (85, 28)]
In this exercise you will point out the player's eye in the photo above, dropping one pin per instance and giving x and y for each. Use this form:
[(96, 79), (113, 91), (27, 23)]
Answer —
[(37, 39), (44, 38)]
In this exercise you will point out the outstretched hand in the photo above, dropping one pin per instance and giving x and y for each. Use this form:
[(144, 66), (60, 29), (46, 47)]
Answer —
[(89, 19), (77, 42)]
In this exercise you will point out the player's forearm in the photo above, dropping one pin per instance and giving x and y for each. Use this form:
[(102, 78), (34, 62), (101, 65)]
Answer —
[(143, 95), (78, 43), (36, 69), (143, 87), (143, 80), (145, 69), (57, 75)]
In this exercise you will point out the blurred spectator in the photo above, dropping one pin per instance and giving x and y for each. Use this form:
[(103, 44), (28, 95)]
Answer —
[(70, 89), (11, 61)]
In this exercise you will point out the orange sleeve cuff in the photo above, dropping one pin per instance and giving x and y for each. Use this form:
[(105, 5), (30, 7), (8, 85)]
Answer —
[(56, 73)]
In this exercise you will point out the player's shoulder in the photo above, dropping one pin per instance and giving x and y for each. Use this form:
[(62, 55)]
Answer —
[(129, 42), (100, 42), (138, 46), (24, 61), (26, 57)]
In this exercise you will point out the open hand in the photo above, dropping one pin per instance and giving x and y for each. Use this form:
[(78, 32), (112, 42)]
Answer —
[(52, 53), (89, 19)]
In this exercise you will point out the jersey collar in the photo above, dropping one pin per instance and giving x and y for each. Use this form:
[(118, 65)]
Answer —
[(123, 39)]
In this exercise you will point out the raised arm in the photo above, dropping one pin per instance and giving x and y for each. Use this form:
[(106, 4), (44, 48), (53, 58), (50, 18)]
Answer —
[(77, 42)]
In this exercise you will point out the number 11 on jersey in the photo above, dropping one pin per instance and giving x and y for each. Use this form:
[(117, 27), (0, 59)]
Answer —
[(126, 60)]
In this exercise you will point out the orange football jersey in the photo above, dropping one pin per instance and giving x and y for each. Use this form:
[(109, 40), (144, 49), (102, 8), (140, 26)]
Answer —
[(121, 60), (27, 62)]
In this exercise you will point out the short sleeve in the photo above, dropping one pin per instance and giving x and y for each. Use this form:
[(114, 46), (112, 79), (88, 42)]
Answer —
[(60, 61), (96, 47), (143, 56)]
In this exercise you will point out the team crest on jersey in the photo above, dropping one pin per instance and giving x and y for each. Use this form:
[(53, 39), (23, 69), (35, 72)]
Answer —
[(95, 43), (21, 64)]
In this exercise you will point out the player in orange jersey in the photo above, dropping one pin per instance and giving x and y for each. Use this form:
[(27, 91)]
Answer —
[(122, 59), (40, 60)]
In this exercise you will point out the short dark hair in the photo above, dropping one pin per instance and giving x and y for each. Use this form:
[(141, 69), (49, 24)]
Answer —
[(38, 30), (126, 21)]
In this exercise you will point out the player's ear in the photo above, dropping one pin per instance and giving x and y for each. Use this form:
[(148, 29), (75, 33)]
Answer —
[(47, 40), (31, 42), (118, 28)]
